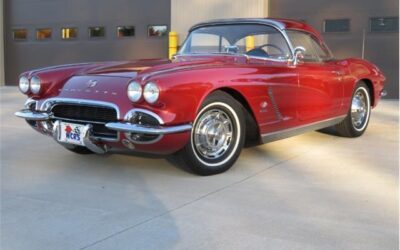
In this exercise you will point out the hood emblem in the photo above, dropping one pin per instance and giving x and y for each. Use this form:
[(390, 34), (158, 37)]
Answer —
[(91, 83)]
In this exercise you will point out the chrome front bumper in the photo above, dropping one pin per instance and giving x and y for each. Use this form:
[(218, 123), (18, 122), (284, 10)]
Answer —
[(151, 130), (118, 126), (33, 115), (42, 119)]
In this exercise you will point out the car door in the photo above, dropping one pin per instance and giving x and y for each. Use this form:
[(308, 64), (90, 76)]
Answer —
[(268, 54), (320, 89)]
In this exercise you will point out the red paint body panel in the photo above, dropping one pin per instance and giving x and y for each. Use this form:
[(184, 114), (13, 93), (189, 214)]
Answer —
[(296, 95)]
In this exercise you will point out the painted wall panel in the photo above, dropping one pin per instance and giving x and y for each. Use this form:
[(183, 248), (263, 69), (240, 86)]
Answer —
[(55, 14), (1, 44), (185, 13)]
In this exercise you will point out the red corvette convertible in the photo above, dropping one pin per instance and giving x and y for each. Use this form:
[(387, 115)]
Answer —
[(233, 82)]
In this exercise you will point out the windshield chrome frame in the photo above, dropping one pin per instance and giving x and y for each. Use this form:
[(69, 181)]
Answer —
[(321, 43), (275, 25)]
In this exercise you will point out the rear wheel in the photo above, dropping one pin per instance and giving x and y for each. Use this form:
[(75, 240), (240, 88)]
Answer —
[(357, 119), (217, 136)]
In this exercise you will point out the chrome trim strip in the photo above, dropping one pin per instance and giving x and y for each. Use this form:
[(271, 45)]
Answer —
[(278, 135), (269, 59), (211, 54), (74, 120), (280, 27), (28, 103), (157, 139), (274, 105), (56, 131), (244, 55), (129, 114), (90, 143), (274, 23), (152, 130), (49, 103), (285, 35)]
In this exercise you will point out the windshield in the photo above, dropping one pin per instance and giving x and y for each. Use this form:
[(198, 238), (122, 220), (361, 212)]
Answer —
[(251, 39)]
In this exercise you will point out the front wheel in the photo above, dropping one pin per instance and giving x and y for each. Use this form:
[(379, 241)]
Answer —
[(357, 119), (217, 136)]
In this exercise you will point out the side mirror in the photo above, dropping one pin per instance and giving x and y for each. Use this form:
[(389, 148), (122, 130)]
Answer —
[(298, 55)]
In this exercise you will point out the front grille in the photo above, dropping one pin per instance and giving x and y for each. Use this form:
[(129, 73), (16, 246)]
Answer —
[(97, 116), (85, 113)]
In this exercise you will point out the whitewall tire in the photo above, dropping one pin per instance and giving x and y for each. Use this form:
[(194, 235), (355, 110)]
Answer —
[(357, 119), (217, 136)]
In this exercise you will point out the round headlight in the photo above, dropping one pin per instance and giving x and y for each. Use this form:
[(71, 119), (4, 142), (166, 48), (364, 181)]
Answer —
[(151, 92), (35, 85), (24, 84), (134, 91)]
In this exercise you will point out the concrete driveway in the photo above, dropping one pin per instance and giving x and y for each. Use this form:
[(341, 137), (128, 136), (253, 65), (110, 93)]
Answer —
[(313, 191)]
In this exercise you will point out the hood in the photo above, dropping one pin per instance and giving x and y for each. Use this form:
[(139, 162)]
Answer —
[(144, 69), (125, 69), (113, 77)]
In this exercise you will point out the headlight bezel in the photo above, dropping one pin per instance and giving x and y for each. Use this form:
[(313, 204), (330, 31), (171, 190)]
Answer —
[(26, 87), (151, 92), (35, 85), (138, 91)]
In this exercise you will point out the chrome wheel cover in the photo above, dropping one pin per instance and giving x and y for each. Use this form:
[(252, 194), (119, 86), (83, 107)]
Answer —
[(213, 134), (359, 109)]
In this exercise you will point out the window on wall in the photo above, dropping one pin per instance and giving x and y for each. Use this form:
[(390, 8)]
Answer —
[(125, 31), (69, 33), (337, 25), (157, 30), (43, 34), (384, 24), (20, 34), (97, 32)]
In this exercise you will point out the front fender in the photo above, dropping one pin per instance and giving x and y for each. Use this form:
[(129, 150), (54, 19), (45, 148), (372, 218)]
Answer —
[(183, 93), (53, 78)]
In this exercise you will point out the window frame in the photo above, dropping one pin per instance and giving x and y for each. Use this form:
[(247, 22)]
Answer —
[(383, 31), (69, 27), (44, 39), (336, 32), (97, 37), (20, 39), (282, 32), (148, 26), (126, 37)]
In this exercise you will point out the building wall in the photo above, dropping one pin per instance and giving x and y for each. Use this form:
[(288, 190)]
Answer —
[(2, 80), (55, 14), (186, 13), (380, 48)]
